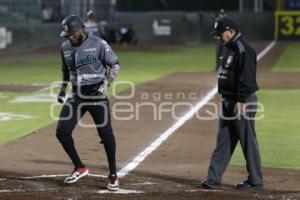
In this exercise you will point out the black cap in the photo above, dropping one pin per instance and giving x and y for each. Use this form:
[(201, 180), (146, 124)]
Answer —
[(71, 24), (223, 25)]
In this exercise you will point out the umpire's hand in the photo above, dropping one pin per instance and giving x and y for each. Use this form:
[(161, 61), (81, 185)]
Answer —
[(61, 96)]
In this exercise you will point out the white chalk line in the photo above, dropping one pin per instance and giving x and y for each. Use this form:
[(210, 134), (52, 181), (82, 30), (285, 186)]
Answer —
[(38, 96), (120, 191), (12, 191), (145, 183), (35, 97), (51, 176), (24, 84), (266, 50), (8, 116), (164, 136)]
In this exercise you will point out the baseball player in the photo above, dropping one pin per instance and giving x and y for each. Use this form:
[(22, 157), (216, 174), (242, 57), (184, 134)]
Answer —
[(237, 85), (90, 64), (92, 27)]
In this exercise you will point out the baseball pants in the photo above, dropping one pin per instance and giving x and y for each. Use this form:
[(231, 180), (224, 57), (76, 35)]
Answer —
[(72, 111), (230, 132)]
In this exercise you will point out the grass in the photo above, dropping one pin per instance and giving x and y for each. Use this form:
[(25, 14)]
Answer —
[(137, 67), (289, 60), (278, 132), (26, 72), (13, 129)]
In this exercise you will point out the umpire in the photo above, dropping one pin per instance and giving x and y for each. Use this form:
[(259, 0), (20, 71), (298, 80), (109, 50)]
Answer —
[(90, 64), (237, 85)]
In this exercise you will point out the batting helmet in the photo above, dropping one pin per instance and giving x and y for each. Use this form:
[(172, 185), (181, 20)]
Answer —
[(71, 24), (90, 13)]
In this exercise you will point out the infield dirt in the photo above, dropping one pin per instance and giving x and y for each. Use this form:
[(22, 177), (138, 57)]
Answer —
[(173, 171)]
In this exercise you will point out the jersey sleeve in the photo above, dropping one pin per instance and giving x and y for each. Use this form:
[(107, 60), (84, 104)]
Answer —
[(247, 79), (65, 70), (107, 55)]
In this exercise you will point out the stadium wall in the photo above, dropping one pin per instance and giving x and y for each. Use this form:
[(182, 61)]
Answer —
[(194, 27), (152, 27), (32, 36)]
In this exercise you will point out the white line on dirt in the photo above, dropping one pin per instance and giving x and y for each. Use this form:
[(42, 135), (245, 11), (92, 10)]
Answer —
[(165, 135), (145, 183), (57, 175), (43, 176), (266, 50), (16, 190), (97, 176), (120, 191)]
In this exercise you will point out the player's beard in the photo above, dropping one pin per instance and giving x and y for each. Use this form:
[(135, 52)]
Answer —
[(78, 40)]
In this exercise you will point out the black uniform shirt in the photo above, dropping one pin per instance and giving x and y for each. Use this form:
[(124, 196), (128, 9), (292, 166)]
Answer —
[(237, 70)]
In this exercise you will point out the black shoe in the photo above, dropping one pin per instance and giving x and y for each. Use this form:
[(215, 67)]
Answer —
[(210, 184), (248, 185)]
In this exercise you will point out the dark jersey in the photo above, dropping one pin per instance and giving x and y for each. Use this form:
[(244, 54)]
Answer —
[(237, 70)]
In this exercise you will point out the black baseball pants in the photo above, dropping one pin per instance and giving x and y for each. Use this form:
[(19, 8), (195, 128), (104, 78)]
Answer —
[(72, 111)]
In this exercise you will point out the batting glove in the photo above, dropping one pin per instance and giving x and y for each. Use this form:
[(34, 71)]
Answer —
[(103, 88), (61, 96)]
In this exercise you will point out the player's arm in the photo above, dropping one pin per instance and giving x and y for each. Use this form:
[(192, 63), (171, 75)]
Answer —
[(247, 79), (65, 80), (113, 72), (111, 60), (247, 76)]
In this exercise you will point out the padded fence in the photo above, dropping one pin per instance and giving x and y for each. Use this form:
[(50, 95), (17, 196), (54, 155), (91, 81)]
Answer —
[(194, 27), (152, 27)]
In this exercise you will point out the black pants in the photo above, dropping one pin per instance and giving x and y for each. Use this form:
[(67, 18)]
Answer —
[(72, 112), (232, 130)]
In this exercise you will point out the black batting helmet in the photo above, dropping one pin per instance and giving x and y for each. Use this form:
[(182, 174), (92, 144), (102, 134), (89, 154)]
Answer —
[(71, 24)]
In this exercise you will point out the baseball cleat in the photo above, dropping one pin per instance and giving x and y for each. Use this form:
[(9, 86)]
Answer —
[(113, 183), (248, 185), (210, 184), (77, 174)]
